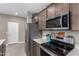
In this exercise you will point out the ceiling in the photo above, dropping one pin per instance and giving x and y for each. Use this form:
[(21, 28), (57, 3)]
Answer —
[(21, 9)]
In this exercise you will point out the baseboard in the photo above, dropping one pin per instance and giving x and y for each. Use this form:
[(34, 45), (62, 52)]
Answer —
[(16, 42)]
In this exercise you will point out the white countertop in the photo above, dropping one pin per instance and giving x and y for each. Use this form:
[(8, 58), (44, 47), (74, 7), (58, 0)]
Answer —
[(40, 40), (74, 52), (2, 41)]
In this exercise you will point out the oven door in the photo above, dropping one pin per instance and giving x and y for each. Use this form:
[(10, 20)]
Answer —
[(43, 53)]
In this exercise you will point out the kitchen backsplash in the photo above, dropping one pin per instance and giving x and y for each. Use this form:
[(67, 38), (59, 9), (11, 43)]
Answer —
[(72, 33)]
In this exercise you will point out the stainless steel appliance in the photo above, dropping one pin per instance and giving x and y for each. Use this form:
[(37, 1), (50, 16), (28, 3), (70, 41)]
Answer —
[(58, 48), (59, 22), (31, 32)]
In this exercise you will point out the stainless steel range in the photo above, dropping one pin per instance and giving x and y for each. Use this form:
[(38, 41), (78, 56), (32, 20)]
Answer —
[(58, 47)]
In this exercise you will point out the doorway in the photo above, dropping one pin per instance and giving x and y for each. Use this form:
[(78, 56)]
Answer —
[(13, 32), (14, 47)]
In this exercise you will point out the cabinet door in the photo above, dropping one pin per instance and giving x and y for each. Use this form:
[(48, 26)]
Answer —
[(51, 11), (62, 8), (77, 15), (0, 50), (73, 16), (3, 49), (42, 20), (74, 9), (36, 49)]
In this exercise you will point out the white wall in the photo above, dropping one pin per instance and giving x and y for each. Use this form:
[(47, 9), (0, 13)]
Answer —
[(4, 19), (73, 33), (29, 17)]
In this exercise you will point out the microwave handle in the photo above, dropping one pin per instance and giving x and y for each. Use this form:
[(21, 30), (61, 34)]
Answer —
[(61, 21)]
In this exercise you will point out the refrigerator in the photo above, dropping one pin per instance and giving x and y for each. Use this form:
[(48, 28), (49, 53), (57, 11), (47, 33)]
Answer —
[(31, 32)]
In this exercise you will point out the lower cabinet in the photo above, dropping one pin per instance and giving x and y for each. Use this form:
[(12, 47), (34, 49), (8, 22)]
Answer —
[(0, 50), (3, 49), (36, 49)]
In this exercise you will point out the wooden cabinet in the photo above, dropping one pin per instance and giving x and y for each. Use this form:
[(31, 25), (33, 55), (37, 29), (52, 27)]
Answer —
[(74, 9), (77, 16), (42, 20), (36, 49), (62, 8), (73, 18), (0, 50), (54, 10), (51, 11), (57, 9), (3, 49)]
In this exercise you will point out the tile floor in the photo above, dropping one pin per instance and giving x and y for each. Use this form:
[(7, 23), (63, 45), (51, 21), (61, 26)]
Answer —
[(17, 49)]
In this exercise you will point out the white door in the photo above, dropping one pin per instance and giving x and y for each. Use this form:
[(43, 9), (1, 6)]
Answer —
[(13, 33)]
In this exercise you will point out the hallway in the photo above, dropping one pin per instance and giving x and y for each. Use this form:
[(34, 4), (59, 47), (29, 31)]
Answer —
[(16, 49)]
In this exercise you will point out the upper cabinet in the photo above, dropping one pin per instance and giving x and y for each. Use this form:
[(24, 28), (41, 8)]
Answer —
[(58, 9), (42, 20), (62, 8), (74, 9), (73, 16), (77, 16), (51, 11)]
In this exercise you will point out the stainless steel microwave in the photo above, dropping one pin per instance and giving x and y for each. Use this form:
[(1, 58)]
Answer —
[(59, 22)]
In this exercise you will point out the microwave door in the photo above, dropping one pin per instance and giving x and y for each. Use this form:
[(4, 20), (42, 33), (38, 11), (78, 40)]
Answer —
[(61, 22), (53, 23), (58, 23)]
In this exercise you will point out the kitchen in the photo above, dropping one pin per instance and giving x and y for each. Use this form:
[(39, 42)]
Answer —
[(50, 29), (58, 22)]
